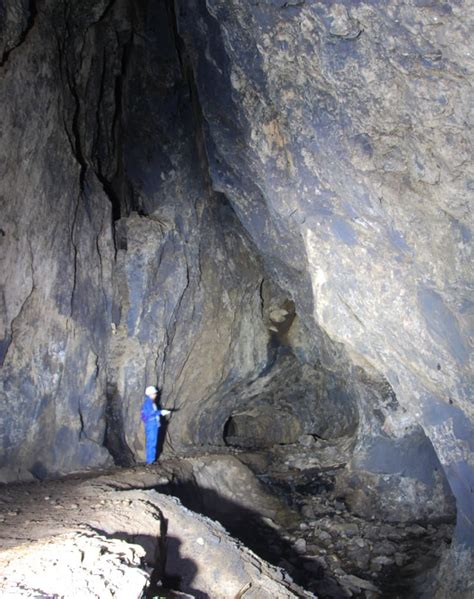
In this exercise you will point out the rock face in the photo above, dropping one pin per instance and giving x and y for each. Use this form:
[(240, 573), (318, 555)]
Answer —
[(130, 268), (340, 133), (264, 208), (106, 559), (95, 538)]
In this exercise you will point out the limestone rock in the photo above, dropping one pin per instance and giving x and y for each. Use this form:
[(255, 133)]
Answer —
[(260, 427), (83, 564), (255, 205), (120, 543), (222, 487), (339, 132)]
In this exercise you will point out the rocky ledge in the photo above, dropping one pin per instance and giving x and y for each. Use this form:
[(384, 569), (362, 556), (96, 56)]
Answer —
[(113, 536), (280, 522)]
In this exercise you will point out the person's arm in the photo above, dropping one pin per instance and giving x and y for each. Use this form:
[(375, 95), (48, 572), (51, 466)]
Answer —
[(165, 412)]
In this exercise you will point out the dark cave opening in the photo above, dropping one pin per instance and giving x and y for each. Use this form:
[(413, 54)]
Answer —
[(230, 430), (358, 497)]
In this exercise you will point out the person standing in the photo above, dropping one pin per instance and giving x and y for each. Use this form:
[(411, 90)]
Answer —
[(151, 415)]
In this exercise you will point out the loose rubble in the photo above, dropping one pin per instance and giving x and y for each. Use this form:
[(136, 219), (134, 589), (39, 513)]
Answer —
[(310, 531), (283, 503), (336, 553)]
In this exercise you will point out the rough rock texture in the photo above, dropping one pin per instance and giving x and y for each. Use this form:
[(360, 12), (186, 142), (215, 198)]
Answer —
[(225, 489), (261, 206), (338, 548), (99, 538), (57, 255), (131, 269), (341, 134), (288, 505), (89, 563)]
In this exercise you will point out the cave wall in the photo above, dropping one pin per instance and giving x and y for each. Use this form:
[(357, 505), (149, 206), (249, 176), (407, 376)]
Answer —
[(340, 132), (57, 250), (122, 267), (187, 283), (173, 175)]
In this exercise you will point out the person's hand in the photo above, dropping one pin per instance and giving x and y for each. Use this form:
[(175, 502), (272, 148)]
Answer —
[(165, 412)]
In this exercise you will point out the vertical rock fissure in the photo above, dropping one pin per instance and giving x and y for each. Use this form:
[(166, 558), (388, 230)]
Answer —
[(114, 437), (187, 73), (118, 188), (72, 130), (262, 298), (75, 253), (173, 323)]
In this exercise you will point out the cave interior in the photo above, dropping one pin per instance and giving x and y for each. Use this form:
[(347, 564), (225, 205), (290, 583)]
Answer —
[(147, 252)]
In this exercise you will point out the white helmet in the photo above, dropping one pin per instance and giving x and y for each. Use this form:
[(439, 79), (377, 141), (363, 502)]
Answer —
[(151, 390)]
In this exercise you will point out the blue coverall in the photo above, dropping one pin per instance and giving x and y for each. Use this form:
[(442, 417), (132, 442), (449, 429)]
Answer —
[(151, 418)]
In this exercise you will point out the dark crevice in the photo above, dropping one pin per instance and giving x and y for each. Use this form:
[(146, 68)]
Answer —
[(4, 347), (229, 430), (114, 199), (98, 123), (75, 253), (107, 9), (262, 299), (114, 438), (75, 139), (173, 324), (158, 572), (117, 188), (101, 271), (81, 421), (178, 42), (74, 134), (62, 70), (187, 73), (32, 14)]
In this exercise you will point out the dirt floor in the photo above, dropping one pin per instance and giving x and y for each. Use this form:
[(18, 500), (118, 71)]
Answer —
[(282, 503)]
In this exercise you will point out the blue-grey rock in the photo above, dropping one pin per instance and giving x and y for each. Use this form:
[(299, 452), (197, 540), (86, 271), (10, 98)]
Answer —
[(340, 133), (260, 206)]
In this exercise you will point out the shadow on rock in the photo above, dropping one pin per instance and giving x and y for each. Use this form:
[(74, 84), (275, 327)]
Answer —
[(180, 572), (171, 574), (260, 533)]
